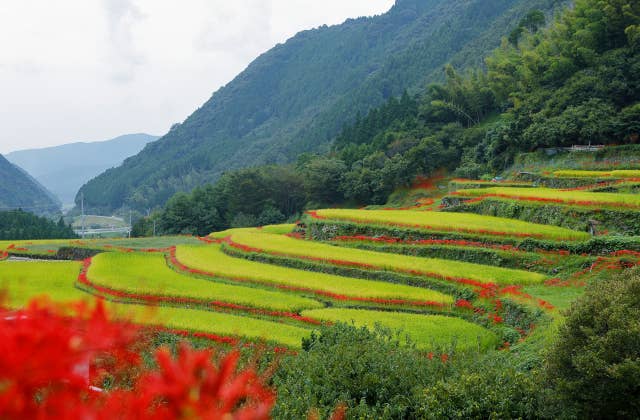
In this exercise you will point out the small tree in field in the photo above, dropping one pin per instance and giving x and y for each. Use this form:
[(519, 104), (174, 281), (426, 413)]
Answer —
[(595, 364)]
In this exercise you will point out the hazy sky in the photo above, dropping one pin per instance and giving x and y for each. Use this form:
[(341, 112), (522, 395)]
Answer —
[(86, 70)]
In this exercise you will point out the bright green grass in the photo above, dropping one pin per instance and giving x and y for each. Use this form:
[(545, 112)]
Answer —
[(276, 229), (444, 221), (625, 173), (427, 331), (560, 297), (383, 261), (25, 281), (212, 259), (217, 323), (149, 274), (569, 197)]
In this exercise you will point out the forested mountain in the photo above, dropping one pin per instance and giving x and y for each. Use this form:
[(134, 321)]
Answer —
[(296, 97), (575, 81), (64, 169), (18, 190)]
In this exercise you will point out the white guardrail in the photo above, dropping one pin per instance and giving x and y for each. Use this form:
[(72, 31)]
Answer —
[(81, 232)]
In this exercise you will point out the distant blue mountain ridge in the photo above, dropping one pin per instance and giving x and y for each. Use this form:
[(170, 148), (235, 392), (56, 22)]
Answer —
[(64, 169)]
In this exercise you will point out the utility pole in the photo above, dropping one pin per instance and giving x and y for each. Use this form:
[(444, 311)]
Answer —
[(154, 227), (82, 207), (129, 223)]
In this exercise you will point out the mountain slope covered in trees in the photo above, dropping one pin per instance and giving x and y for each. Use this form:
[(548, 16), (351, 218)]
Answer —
[(577, 81), (297, 96), (64, 169), (18, 190)]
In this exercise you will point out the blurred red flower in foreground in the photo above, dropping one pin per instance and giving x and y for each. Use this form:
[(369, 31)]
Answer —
[(53, 361)]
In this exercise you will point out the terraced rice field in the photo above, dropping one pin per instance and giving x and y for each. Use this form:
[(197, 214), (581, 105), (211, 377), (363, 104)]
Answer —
[(48, 247), (430, 267), (624, 173), (211, 259), (549, 195), (427, 331), (148, 275), (215, 288), (453, 222), (275, 229), (25, 280)]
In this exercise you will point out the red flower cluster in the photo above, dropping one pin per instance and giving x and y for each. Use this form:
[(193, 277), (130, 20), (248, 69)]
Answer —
[(52, 361), (617, 260), (295, 235), (444, 357), (13, 247), (463, 303), (4, 255), (422, 202)]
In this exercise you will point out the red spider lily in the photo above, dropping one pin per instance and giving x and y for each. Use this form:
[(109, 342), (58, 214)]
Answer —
[(422, 202), (604, 184), (4, 255), (192, 387), (51, 357), (206, 240), (463, 303), (295, 235), (497, 319)]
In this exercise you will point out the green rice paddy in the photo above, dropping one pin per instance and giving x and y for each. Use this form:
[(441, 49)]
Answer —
[(436, 268), (148, 274), (427, 331), (546, 195), (213, 260), (461, 222)]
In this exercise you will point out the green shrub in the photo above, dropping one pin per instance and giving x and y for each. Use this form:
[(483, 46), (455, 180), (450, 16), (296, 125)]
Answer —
[(369, 371), (594, 366), (488, 388)]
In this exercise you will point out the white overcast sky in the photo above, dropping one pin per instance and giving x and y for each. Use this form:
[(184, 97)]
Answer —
[(88, 70)]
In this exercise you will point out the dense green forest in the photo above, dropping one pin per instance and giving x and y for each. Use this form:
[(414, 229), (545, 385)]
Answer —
[(18, 224), (577, 81), (296, 97), (19, 190)]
